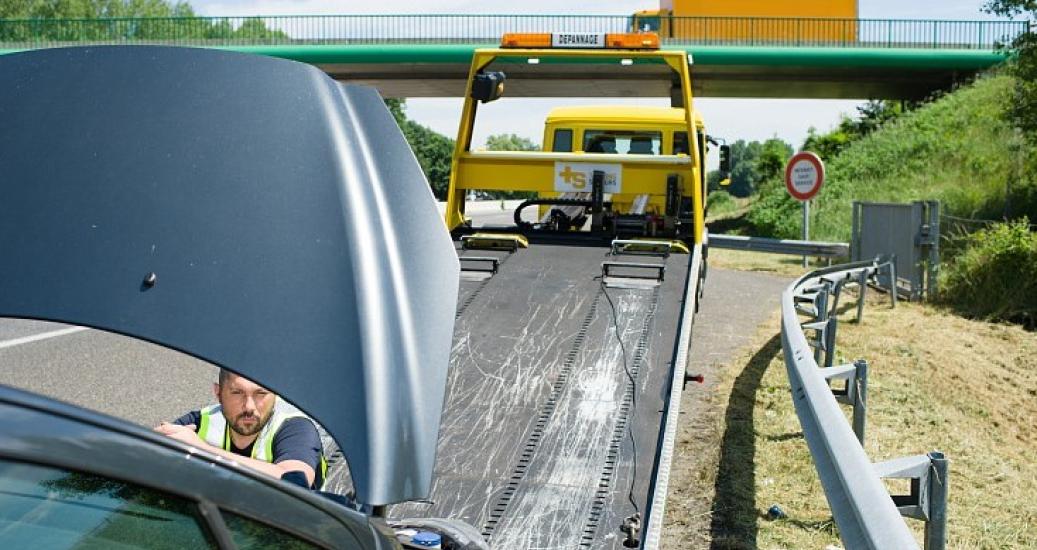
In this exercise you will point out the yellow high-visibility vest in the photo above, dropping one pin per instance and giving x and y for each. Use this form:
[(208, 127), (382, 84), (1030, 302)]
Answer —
[(213, 429)]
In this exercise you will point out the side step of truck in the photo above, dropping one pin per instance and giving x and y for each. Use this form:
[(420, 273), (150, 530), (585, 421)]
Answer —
[(494, 241)]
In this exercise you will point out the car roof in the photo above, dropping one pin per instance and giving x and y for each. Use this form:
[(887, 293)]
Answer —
[(248, 211)]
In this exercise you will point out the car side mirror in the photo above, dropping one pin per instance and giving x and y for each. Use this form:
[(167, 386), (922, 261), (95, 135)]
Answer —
[(488, 86), (725, 158)]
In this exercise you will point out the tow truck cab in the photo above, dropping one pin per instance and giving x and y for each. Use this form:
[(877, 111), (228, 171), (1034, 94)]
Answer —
[(624, 130), (653, 188)]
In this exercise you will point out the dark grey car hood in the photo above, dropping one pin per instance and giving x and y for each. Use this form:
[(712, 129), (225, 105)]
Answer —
[(290, 231)]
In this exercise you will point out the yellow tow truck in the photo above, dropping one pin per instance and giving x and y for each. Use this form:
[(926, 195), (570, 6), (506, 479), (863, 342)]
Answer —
[(571, 337), (653, 188), (621, 130)]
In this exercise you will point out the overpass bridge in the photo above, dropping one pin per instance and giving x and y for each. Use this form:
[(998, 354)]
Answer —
[(428, 55)]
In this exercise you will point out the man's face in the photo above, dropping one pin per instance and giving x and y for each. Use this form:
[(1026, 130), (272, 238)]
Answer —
[(247, 406)]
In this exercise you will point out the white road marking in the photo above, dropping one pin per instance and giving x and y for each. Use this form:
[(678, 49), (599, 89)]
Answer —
[(41, 336)]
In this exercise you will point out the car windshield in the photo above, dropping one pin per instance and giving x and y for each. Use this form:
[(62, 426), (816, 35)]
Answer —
[(624, 142), (43, 507)]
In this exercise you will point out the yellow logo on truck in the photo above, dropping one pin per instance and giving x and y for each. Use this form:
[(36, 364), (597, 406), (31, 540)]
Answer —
[(570, 177), (576, 177)]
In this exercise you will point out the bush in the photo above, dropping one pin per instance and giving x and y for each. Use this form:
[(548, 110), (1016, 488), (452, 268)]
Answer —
[(995, 276), (776, 214), (720, 202)]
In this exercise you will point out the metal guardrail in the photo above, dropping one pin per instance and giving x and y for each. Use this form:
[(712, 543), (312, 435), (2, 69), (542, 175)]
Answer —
[(479, 29), (780, 246), (867, 516)]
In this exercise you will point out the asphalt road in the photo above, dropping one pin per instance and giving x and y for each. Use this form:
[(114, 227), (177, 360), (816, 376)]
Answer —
[(114, 374), (147, 384)]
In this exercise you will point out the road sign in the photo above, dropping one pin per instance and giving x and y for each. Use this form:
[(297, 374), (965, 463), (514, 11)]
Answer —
[(804, 175)]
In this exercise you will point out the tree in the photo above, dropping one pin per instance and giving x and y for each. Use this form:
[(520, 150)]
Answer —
[(92, 20), (770, 166), (433, 150), (1023, 112), (92, 9), (743, 160), (871, 116), (755, 163), (830, 144), (510, 142)]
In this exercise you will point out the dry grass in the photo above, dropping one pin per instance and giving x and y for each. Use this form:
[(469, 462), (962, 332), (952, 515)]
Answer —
[(937, 382), (742, 260)]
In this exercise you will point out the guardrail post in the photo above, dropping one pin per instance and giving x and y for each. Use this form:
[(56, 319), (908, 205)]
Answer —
[(829, 339), (928, 499), (832, 324), (936, 525), (822, 316), (855, 394), (860, 398), (862, 285), (893, 281)]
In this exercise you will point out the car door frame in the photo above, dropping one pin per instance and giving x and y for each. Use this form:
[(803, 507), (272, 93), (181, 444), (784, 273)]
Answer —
[(42, 431)]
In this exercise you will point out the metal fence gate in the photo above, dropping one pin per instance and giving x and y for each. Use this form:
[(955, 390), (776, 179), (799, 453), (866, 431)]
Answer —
[(911, 232)]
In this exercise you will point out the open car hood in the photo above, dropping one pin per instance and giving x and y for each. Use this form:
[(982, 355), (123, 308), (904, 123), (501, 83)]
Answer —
[(291, 233)]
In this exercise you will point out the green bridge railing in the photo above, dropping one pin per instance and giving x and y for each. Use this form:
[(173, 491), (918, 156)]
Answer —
[(481, 29)]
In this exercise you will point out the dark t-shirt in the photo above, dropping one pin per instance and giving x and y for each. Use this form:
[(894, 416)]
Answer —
[(297, 439)]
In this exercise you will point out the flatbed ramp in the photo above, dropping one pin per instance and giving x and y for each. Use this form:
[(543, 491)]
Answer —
[(556, 395)]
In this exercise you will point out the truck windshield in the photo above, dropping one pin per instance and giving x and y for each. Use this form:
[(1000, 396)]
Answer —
[(630, 142)]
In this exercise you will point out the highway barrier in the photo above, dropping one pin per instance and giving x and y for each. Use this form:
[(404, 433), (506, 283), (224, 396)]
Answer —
[(816, 249), (867, 516)]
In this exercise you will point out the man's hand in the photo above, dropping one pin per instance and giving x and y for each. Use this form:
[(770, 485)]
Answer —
[(185, 434)]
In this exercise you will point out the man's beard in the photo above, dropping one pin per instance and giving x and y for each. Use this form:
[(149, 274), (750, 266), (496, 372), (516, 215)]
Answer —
[(241, 428)]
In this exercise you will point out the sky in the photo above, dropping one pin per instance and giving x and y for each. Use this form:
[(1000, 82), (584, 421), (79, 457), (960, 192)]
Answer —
[(749, 119)]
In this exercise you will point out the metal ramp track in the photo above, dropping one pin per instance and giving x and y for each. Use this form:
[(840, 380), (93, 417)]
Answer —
[(534, 446)]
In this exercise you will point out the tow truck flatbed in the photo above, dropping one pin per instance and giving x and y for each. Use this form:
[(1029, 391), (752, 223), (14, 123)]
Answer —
[(546, 441)]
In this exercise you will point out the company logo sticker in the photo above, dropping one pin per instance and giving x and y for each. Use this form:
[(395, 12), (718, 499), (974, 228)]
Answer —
[(576, 177)]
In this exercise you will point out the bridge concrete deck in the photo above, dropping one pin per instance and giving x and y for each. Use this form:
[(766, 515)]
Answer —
[(438, 70), (417, 70)]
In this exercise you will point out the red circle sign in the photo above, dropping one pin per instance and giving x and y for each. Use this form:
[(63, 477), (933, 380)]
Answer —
[(804, 175)]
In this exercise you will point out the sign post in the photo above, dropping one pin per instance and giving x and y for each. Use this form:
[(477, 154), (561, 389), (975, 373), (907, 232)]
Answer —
[(804, 176)]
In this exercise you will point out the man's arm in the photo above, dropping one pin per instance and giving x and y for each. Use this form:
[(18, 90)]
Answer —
[(190, 419), (188, 435), (297, 446)]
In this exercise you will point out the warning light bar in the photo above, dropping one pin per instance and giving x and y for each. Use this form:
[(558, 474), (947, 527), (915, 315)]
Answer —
[(582, 40)]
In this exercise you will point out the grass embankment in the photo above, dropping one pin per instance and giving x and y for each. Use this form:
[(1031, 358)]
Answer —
[(937, 382), (775, 264), (957, 149)]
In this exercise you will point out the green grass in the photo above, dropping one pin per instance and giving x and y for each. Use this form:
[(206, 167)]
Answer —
[(957, 149)]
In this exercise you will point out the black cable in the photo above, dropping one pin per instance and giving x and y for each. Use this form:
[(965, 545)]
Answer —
[(633, 397)]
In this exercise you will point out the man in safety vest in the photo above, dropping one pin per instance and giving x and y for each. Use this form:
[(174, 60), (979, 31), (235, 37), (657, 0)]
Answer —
[(253, 427)]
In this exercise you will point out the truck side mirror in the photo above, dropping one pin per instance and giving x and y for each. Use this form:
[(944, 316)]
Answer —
[(725, 158), (488, 86)]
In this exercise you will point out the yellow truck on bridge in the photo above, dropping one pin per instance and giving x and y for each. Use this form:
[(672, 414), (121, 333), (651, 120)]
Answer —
[(760, 20)]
